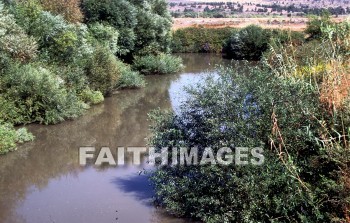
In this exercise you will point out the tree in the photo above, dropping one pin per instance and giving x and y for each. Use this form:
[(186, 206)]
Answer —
[(144, 26), (13, 39), (248, 44), (69, 9)]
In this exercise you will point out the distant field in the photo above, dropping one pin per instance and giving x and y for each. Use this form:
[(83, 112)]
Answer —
[(323, 3), (295, 24), (256, 8)]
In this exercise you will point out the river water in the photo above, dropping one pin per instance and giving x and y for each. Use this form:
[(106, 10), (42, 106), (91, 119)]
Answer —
[(42, 182)]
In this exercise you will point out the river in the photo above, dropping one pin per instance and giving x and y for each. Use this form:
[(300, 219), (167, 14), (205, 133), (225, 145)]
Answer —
[(42, 182)]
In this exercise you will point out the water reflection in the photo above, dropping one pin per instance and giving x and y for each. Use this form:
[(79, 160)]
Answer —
[(43, 182)]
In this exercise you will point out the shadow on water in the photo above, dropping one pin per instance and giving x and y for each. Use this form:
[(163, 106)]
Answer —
[(137, 186)]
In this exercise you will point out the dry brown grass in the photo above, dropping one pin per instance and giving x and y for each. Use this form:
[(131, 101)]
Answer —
[(336, 85), (294, 24)]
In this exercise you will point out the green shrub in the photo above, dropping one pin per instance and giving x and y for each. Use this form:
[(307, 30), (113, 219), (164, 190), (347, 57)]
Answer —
[(92, 97), (27, 13), (38, 96), (287, 37), (73, 76), (316, 24), (144, 26), (22, 135), (119, 14), (200, 40), (158, 64), (59, 41), (106, 35), (248, 43), (129, 78), (9, 137), (13, 40), (257, 109), (153, 30), (103, 72), (10, 110)]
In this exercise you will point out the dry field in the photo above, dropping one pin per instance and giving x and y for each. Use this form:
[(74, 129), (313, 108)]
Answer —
[(295, 24)]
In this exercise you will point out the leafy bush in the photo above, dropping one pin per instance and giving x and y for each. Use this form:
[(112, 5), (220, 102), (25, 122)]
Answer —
[(10, 111), (144, 26), (23, 135), (13, 40), (59, 41), (103, 72), (27, 13), (74, 78), (69, 9), (9, 137), (315, 25), (253, 110), (158, 64), (248, 43), (106, 35), (200, 40), (119, 14), (153, 30), (92, 97), (287, 37), (38, 96), (129, 78)]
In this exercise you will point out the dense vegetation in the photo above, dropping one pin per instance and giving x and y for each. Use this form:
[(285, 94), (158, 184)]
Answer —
[(59, 57), (252, 41), (144, 25), (160, 64), (200, 40), (248, 43), (295, 105)]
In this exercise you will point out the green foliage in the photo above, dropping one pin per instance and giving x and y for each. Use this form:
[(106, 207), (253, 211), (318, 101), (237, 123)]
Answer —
[(119, 14), (9, 137), (144, 26), (106, 35), (103, 72), (27, 13), (252, 42), (92, 97), (285, 36), (38, 96), (51, 65), (158, 64), (200, 40), (257, 109), (13, 40), (59, 41), (248, 43), (74, 78), (23, 135), (315, 25), (153, 30), (129, 78)]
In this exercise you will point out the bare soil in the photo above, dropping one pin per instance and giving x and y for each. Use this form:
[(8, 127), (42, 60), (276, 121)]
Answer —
[(295, 24)]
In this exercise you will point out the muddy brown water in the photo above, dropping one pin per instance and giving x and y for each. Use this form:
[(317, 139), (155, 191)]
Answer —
[(42, 182)]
